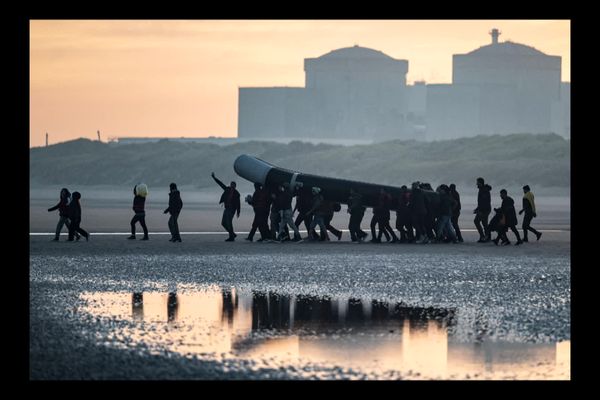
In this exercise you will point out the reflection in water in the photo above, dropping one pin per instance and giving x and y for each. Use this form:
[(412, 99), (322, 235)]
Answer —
[(368, 335)]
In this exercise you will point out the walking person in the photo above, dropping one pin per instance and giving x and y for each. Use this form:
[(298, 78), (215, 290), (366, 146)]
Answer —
[(140, 192), (284, 205), (529, 209), (455, 211), (175, 206), (418, 211), (483, 210), (510, 215), (63, 218), (260, 202), (330, 208), (231, 201), (403, 217), (74, 213), (303, 204), (319, 212), (444, 223), (357, 212)]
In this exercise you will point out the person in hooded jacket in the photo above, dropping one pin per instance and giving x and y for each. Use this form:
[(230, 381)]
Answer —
[(63, 219), (483, 210), (529, 209), (455, 211), (508, 210), (418, 210), (74, 212), (140, 214), (231, 201), (356, 209), (175, 206), (260, 202), (303, 204)]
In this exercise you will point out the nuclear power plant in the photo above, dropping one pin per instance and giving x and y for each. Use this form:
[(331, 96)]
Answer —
[(360, 94)]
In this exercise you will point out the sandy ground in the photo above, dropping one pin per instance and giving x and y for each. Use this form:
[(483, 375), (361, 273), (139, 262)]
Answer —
[(520, 294), (108, 209)]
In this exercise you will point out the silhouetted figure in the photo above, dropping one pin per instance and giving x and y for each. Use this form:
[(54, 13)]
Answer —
[(319, 211), (139, 202), (432, 205), (529, 209), (510, 214), (483, 210), (330, 208), (418, 211), (455, 211), (497, 224), (303, 204), (404, 217), (260, 202), (357, 212), (137, 306), (376, 222), (63, 217), (175, 206), (74, 213), (444, 223), (283, 199), (231, 201), (384, 206)]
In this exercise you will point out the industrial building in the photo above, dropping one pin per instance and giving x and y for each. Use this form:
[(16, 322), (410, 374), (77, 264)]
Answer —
[(357, 93)]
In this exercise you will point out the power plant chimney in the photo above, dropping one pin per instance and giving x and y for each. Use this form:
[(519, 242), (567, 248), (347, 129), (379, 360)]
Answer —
[(99, 136), (46, 139), (495, 33)]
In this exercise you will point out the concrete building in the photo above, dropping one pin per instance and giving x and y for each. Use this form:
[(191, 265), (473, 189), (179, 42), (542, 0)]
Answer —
[(350, 93), (500, 88)]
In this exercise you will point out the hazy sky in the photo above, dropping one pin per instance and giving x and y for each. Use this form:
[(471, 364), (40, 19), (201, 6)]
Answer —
[(181, 78)]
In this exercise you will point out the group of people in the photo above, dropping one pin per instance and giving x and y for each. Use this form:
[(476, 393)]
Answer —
[(422, 216)]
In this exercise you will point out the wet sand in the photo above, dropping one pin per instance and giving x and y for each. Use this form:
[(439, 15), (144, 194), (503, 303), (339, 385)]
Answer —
[(519, 294)]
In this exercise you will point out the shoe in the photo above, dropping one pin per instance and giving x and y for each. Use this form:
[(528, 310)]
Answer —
[(131, 237), (481, 240), (460, 240), (539, 235), (77, 238), (340, 235), (172, 240), (525, 240), (177, 240), (505, 242), (375, 241), (259, 240), (54, 240), (231, 239), (496, 241), (234, 235), (145, 238), (519, 242), (248, 239)]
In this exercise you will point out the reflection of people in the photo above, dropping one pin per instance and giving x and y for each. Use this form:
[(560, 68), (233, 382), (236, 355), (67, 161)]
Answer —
[(137, 306), (529, 209), (231, 201), (172, 306), (175, 206), (140, 192)]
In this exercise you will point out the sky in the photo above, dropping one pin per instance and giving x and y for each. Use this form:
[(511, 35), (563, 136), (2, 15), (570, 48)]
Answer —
[(162, 78)]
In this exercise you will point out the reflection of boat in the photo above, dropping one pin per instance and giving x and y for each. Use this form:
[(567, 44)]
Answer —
[(256, 170)]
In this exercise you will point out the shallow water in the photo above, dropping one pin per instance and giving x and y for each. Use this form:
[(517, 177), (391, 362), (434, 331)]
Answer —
[(302, 333)]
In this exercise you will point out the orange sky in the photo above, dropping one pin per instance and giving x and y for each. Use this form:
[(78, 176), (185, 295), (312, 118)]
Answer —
[(181, 78)]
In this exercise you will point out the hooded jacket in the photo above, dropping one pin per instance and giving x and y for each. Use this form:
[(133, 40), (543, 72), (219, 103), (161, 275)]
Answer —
[(508, 209), (484, 199), (63, 204), (74, 211), (230, 197), (175, 203), (528, 203)]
